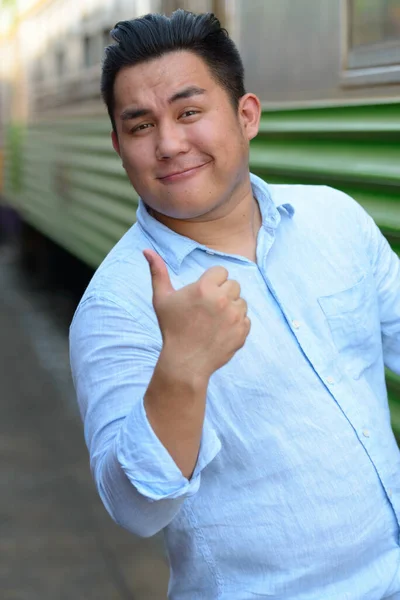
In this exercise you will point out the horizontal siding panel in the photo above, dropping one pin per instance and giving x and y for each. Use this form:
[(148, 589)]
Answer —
[(104, 206), (75, 143), (343, 120), (115, 190), (378, 163)]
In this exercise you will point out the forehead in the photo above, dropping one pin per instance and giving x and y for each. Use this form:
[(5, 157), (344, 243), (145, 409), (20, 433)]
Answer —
[(159, 78)]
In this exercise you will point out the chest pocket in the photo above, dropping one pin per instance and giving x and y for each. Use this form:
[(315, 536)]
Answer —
[(353, 318)]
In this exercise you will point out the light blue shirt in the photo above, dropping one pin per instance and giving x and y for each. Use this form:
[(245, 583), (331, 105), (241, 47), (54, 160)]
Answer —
[(296, 492)]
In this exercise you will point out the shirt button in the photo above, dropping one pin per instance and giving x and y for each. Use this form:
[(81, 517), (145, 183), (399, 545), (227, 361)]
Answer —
[(366, 433), (390, 492), (330, 380), (296, 324)]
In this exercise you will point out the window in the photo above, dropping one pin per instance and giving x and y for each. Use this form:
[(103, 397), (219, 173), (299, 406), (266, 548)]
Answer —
[(374, 21), (107, 39), (373, 41), (60, 63), (91, 54), (37, 72)]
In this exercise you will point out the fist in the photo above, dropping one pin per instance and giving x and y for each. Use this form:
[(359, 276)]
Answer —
[(202, 324)]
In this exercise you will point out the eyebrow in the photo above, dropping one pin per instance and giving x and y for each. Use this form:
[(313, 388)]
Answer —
[(188, 92), (135, 113)]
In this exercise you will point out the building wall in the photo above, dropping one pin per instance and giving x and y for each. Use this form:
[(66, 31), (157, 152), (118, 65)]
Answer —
[(297, 52)]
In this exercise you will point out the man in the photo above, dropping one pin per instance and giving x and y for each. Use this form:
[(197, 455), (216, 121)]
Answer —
[(264, 453)]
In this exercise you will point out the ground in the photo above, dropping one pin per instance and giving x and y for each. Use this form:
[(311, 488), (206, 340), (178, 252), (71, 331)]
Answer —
[(57, 541)]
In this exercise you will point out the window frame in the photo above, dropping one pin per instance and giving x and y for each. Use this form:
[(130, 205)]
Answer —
[(371, 64)]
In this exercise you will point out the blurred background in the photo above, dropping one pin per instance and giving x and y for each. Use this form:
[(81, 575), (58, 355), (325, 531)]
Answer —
[(328, 75)]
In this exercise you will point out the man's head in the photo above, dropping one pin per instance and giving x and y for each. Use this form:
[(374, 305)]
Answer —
[(181, 118), (152, 36)]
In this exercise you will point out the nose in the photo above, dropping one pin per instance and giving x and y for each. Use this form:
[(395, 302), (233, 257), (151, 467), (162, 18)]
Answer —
[(171, 141)]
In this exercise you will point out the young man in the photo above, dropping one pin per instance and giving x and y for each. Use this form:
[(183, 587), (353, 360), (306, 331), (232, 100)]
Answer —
[(265, 453)]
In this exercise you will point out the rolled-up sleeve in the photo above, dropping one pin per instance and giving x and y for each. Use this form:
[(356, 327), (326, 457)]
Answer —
[(113, 357)]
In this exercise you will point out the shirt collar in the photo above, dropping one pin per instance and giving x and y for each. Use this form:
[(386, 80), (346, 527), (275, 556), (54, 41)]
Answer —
[(174, 248)]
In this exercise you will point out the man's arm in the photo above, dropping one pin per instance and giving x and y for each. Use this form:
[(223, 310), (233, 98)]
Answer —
[(113, 358), (175, 403), (202, 325), (143, 401)]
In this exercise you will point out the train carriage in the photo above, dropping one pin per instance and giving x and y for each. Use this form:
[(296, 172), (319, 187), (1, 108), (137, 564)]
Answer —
[(327, 72)]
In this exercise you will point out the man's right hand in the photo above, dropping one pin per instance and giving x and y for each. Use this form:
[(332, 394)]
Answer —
[(202, 324)]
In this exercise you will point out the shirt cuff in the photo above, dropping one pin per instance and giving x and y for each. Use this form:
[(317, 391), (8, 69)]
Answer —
[(148, 464)]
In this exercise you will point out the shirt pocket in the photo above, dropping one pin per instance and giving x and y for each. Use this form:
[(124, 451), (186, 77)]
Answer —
[(353, 318)]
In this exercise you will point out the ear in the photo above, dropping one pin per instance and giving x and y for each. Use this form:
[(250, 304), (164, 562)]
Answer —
[(115, 142), (250, 114)]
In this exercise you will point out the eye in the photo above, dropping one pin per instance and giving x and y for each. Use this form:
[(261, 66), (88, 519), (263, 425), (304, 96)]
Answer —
[(189, 113), (141, 127)]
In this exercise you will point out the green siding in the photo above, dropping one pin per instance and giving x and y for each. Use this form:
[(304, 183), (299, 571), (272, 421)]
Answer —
[(66, 180), (73, 187)]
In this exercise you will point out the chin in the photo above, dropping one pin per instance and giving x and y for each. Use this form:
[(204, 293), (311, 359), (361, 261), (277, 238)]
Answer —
[(191, 209)]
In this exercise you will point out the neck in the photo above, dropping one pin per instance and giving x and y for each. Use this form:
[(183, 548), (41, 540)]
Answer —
[(231, 228)]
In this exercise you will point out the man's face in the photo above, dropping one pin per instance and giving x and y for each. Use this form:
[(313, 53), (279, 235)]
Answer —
[(182, 144)]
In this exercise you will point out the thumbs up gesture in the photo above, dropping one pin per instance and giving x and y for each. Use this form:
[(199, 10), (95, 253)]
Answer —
[(202, 324)]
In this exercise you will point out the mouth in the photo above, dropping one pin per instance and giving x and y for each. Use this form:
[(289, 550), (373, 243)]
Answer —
[(177, 175)]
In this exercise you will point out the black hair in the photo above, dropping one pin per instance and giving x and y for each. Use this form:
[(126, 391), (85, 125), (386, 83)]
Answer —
[(149, 37)]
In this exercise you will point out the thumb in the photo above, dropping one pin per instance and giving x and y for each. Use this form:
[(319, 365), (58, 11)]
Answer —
[(160, 280)]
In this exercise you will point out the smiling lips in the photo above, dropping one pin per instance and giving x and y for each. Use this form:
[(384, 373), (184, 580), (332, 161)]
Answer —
[(176, 175)]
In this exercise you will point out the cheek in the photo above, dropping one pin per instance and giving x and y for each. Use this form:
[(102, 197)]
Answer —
[(219, 142), (137, 160), (228, 136), (233, 150)]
